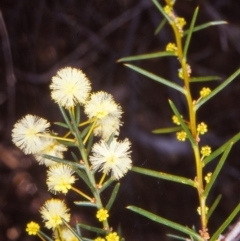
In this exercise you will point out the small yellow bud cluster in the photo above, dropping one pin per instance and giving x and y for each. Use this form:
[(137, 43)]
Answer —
[(171, 47), (206, 150), (208, 177), (181, 135), (102, 214), (176, 120), (32, 228), (168, 10), (99, 239), (205, 92), (199, 210), (180, 23), (202, 128), (110, 237), (180, 72), (170, 2)]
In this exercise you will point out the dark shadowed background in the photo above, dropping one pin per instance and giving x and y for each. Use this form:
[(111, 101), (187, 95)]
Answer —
[(45, 35)]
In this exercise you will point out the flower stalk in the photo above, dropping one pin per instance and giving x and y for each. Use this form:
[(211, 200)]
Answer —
[(193, 129)]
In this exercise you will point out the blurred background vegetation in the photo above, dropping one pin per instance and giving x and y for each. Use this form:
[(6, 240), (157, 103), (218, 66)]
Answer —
[(43, 36)]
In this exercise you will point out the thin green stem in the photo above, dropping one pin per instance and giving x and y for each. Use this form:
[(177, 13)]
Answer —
[(193, 129), (57, 138), (90, 131), (102, 179), (85, 123), (82, 194), (90, 174), (40, 236)]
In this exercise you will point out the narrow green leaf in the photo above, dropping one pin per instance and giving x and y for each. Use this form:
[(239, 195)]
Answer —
[(167, 130), (164, 176), (184, 126), (226, 223), (218, 89), (119, 231), (146, 56), (74, 157), (177, 237), (166, 222), (75, 166), (45, 236), (89, 143), (75, 130), (65, 117), (160, 26), (83, 176), (72, 230), (156, 78), (110, 139), (205, 25), (217, 170), (85, 204), (67, 143), (92, 229), (56, 159), (213, 207), (76, 133), (190, 31), (63, 161), (221, 149), (160, 8), (78, 113), (106, 184), (61, 124), (85, 131), (78, 230), (113, 196), (204, 78)]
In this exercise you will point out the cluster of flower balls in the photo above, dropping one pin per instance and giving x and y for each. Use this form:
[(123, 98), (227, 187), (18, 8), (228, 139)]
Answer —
[(31, 134), (69, 87)]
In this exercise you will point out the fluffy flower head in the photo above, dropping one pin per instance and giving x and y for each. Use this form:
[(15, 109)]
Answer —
[(52, 148), (53, 211), (60, 178), (107, 113), (101, 105), (106, 126), (114, 157), (70, 86), (25, 133), (32, 228)]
